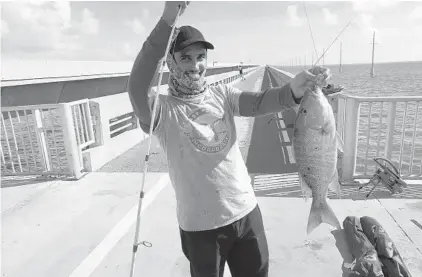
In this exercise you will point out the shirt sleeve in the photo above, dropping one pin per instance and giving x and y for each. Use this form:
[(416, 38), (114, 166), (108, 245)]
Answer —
[(253, 104), (233, 95), (144, 72)]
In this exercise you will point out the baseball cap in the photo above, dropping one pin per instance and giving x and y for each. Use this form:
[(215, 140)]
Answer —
[(188, 35)]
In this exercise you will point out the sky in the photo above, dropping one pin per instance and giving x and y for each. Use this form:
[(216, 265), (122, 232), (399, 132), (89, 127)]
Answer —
[(257, 32)]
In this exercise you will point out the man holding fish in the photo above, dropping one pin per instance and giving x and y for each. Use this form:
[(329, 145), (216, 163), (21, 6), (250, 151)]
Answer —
[(217, 211)]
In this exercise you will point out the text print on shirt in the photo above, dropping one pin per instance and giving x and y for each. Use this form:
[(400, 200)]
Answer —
[(207, 130)]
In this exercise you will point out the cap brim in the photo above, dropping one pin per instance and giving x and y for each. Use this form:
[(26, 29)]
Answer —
[(186, 43)]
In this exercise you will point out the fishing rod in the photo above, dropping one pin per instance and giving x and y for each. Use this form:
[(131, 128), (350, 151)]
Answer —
[(151, 126), (312, 36), (334, 41)]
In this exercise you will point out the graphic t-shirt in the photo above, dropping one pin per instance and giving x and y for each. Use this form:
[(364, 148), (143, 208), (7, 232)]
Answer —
[(206, 167)]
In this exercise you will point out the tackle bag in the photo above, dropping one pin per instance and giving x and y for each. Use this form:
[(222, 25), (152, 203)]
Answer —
[(393, 265), (366, 263)]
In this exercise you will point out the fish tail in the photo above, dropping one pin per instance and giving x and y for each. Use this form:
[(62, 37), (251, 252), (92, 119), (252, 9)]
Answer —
[(321, 212)]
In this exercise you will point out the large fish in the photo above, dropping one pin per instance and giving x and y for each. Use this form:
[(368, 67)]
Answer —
[(315, 144)]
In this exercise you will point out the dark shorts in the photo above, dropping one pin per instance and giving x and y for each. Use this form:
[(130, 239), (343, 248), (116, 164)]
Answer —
[(242, 244)]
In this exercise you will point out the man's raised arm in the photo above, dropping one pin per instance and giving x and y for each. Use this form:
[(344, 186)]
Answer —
[(277, 99), (143, 71), (145, 65)]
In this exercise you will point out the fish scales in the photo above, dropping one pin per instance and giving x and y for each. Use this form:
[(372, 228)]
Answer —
[(315, 143)]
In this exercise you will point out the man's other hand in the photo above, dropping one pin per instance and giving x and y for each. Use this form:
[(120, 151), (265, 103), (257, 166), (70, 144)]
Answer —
[(307, 79), (171, 8)]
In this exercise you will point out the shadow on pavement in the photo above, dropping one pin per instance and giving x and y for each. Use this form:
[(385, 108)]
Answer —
[(17, 181), (344, 250), (287, 185)]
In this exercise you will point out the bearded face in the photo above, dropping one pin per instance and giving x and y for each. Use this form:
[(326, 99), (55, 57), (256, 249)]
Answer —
[(188, 67)]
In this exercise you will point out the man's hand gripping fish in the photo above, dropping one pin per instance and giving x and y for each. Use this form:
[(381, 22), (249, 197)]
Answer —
[(315, 144)]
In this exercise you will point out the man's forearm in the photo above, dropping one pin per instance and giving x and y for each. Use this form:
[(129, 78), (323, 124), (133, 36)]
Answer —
[(144, 69), (277, 99)]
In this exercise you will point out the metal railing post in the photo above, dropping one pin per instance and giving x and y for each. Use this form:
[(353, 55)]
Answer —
[(73, 153), (390, 130), (351, 124), (41, 138)]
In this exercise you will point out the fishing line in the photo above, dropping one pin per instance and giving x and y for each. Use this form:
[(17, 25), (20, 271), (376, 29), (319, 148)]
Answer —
[(310, 29), (334, 40), (312, 36), (151, 126)]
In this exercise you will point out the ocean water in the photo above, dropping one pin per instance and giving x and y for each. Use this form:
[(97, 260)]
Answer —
[(401, 78)]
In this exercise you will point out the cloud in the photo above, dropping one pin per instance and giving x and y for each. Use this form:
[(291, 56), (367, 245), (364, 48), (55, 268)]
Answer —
[(366, 26), (294, 19), (129, 51), (64, 12), (330, 18), (40, 14), (367, 22), (364, 23), (90, 24), (4, 28), (135, 25), (416, 14), (365, 18), (41, 29), (145, 13), (372, 5), (37, 28)]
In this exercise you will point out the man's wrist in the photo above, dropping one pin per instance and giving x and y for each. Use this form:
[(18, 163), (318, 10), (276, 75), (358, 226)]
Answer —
[(296, 99)]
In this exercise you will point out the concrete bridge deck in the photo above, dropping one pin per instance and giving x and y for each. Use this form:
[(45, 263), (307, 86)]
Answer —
[(86, 228)]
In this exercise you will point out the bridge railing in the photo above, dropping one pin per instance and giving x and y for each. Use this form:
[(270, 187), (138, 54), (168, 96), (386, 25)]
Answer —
[(389, 127), (45, 139), (70, 138)]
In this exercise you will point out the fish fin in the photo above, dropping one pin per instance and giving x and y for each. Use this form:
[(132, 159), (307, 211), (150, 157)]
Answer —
[(334, 185), (306, 190), (321, 213), (340, 143)]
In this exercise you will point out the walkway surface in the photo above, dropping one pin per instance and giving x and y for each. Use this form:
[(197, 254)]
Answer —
[(86, 228)]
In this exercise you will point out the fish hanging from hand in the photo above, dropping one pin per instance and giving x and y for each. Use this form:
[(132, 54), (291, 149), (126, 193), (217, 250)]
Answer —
[(315, 144)]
